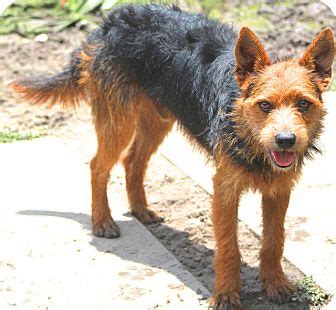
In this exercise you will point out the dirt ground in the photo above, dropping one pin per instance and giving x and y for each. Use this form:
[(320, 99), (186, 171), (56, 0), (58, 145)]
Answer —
[(187, 230)]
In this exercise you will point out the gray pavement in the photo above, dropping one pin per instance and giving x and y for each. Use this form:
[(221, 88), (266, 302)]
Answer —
[(49, 258)]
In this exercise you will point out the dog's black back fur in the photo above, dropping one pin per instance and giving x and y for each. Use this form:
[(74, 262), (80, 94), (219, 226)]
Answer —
[(183, 61)]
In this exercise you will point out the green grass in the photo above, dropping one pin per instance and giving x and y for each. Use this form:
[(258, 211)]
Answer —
[(249, 16), (13, 136)]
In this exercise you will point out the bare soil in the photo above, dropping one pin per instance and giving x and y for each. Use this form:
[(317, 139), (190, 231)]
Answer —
[(187, 230)]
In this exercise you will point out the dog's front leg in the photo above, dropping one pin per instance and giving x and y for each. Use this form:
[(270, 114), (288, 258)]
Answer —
[(227, 259), (274, 209)]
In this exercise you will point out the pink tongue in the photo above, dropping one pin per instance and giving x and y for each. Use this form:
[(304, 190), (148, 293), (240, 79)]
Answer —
[(283, 158)]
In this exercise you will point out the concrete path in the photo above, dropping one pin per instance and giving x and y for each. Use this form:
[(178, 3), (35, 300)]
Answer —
[(310, 224), (49, 258)]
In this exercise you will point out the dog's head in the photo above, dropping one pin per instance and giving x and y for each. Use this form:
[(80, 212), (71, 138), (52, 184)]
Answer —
[(281, 108)]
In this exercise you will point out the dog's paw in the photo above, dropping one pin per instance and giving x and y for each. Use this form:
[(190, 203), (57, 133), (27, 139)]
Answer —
[(147, 216), (226, 301), (279, 291), (107, 229)]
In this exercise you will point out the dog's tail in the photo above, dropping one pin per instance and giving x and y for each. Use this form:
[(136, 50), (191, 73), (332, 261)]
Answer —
[(64, 88)]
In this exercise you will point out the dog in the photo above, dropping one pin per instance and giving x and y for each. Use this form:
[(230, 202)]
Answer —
[(149, 66)]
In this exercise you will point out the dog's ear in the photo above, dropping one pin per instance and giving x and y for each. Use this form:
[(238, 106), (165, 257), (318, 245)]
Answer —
[(250, 55), (319, 57)]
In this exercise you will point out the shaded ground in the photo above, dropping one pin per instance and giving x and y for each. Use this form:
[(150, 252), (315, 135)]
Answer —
[(186, 208), (187, 232)]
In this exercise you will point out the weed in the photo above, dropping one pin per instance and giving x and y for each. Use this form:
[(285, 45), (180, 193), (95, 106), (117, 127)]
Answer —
[(312, 292), (13, 136)]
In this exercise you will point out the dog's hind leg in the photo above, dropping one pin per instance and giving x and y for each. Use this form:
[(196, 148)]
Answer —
[(152, 128), (113, 135)]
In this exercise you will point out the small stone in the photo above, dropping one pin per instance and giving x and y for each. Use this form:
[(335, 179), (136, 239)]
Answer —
[(332, 240), (41, 38)]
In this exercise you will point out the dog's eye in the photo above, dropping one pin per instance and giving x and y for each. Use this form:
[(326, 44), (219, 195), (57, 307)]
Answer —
[(265, 106), (303, 105)]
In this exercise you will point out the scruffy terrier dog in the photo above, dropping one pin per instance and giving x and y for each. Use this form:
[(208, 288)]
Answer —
[(149, 66)]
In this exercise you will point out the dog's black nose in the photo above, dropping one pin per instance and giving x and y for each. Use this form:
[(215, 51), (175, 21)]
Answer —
[(285, 140)]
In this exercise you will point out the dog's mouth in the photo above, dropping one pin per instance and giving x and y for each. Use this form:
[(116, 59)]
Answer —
[(284, 158)]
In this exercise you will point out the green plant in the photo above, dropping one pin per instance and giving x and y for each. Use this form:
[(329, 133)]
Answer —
[(13, 136), (32, 17), (312, 292)]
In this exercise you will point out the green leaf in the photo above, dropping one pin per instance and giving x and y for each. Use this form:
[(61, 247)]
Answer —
[(108, 4), (89, 6)]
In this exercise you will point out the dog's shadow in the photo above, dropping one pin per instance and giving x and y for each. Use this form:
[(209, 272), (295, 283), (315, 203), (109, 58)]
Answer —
[(129, 248)]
